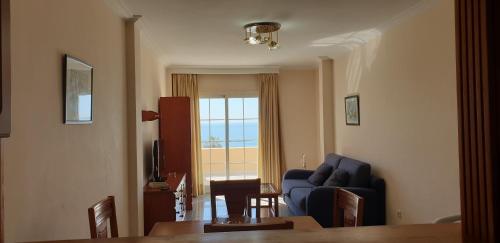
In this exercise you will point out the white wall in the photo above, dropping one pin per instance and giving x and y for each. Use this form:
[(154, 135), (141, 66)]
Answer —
[(298, 92), (406, 81), (228, 84), (153, 86), (54, 172)]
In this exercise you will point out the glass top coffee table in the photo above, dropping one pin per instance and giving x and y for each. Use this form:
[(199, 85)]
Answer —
[(268, 191)]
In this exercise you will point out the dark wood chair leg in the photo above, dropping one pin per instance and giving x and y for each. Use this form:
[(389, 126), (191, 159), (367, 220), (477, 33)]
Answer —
[(249, 207), (276, 207), (257, 208)]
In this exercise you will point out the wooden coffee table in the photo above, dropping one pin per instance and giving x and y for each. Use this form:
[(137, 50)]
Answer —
[(268, 190)]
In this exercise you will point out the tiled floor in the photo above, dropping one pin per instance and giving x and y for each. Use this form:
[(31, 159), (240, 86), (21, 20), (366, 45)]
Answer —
[(201, 208)]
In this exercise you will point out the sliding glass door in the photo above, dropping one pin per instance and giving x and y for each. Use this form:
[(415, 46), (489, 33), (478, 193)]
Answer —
[(229, 137)]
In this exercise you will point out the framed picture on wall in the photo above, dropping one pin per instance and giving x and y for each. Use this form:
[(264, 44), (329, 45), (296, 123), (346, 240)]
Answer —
[(352, 110), (78, 96)]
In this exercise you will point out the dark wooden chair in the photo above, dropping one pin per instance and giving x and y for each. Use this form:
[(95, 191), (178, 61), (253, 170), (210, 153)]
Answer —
[(99, 214), (235, 193), (348, 209)]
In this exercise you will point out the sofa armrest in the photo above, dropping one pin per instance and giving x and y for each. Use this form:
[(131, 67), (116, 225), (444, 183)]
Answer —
[(378, 184), (297, 174), (319, 204)]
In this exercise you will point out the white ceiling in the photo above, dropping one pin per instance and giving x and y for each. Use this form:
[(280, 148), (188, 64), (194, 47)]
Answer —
[(209, 32)]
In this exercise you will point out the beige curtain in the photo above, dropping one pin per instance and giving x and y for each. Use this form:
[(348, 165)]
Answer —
[(270, 165), (187, 85)]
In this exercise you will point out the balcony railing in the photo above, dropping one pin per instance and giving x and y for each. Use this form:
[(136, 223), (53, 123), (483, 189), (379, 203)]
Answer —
[(243, 163)]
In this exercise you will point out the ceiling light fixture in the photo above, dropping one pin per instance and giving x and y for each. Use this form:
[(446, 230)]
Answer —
[(262, 33)]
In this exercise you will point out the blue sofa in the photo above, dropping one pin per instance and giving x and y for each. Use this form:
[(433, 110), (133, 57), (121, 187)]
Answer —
[(304, 198)]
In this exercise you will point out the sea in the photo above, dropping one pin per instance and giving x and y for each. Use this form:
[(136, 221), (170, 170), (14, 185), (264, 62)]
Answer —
[(241, 133)]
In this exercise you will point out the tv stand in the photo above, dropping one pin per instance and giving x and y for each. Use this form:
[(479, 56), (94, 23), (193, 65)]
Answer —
[(166, 203)]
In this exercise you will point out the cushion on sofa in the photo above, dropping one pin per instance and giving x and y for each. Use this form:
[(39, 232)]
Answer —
[(359, 172), (339, 178), (320, 174), (289, 184), (333, 160), (299, 196)]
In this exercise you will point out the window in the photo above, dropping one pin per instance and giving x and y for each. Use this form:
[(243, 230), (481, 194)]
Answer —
[(229, 137)]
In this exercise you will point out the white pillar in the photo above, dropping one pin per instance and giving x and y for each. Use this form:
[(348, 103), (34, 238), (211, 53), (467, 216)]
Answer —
[(134, 131), (325, 101)]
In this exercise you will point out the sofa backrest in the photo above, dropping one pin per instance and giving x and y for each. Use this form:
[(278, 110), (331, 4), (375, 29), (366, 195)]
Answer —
[(359, 172), (333, 160)]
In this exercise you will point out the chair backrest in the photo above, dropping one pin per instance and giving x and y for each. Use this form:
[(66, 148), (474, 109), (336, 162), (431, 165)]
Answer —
[(99, 214), (214, 227), (348, 209), (235, 193), (448, 219)]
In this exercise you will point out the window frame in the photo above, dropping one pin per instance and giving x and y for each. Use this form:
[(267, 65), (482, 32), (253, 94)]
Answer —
[(227, 141)]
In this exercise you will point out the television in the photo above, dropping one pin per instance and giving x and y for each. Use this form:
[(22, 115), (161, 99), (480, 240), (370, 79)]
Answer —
[(156, 162)]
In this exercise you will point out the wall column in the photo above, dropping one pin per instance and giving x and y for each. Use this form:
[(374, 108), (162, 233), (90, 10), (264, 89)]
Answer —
[(134, 131), (325, 101)]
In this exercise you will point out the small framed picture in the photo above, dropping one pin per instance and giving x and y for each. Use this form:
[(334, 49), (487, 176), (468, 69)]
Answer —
[(352, 110), (78, 97)]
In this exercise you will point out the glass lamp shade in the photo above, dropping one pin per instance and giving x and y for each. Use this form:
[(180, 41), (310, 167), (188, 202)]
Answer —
[(273, 45), (262, 33), (254, 40)]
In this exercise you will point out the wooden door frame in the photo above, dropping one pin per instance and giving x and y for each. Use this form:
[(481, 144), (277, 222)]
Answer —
[(478, 89), (5, 76), (478, 95)]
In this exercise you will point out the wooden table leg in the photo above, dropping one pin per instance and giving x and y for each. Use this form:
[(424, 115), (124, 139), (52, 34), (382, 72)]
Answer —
[(249, 206), (270, 205), (276, 207)]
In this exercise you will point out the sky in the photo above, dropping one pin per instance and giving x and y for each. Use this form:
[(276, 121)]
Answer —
[(84, 107), (242, 119), (238, 108)]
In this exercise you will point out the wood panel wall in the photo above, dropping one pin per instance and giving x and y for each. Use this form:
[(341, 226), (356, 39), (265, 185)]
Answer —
[(477, 37), (1, 195), (5, 75), (5, 72)]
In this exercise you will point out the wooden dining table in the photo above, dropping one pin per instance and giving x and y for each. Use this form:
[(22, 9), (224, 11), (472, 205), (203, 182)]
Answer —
[(422, 233), (300, 223)]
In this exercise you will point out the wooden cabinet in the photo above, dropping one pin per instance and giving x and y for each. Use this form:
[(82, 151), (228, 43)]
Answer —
[(170, 204), (175, 139), (165, 204)]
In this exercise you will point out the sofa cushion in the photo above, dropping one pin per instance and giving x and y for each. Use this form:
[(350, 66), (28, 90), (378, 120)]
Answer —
[(293, 209), (320, 174), (339, 178), (359, 172), (289, 184), (333, 160), (299, 196)]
